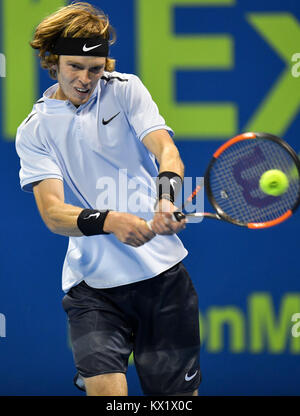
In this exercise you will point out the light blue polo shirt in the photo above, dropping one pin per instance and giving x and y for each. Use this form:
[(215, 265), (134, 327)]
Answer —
[(97, 151)]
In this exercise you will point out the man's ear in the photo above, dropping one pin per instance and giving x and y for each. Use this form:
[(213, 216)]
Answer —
[(54, 69)]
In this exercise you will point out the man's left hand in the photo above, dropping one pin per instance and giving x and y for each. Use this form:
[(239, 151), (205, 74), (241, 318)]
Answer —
[(163, 222)]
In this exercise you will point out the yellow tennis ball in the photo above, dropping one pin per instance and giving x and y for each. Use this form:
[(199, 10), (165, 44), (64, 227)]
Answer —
[(274, 182)]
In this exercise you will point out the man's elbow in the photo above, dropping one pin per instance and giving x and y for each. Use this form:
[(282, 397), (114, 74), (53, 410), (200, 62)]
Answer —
[(50, 220)]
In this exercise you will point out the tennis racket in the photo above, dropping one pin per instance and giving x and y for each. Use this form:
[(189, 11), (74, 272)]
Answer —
[(231, 182)]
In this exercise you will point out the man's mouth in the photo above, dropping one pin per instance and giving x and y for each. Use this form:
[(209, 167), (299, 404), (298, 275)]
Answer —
[(82, 91)]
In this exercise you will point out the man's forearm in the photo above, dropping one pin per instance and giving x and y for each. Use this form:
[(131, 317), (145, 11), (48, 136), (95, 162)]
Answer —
[(170, 161), (61, 219)]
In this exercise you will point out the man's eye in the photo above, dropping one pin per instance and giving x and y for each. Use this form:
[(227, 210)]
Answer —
[(75, 66), (97, 69)]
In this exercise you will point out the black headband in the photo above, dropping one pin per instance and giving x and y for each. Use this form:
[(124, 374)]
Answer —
[(95, 46)]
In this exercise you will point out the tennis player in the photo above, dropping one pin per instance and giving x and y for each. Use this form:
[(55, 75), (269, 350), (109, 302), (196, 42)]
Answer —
[(125, 286)]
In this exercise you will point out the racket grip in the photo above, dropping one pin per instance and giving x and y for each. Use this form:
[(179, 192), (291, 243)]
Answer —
[(178, 215)]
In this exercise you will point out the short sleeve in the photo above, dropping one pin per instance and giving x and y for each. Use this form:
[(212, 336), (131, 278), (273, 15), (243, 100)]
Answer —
[(142, 112), (36, 161)]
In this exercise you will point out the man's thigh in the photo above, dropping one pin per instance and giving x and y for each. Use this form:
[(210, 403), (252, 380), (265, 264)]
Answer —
[(101, 339), (167, 338)]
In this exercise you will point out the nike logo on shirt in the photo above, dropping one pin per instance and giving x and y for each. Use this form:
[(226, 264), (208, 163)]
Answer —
[(104, 122)]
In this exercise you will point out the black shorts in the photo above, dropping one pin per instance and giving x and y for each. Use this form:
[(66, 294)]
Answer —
[(157, 319)]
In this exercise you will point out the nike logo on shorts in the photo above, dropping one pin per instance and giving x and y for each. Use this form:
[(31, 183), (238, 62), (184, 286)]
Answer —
[(187, 378)]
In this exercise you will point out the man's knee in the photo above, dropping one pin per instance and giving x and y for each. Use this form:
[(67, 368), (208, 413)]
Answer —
[(192, 393), (111, 384)]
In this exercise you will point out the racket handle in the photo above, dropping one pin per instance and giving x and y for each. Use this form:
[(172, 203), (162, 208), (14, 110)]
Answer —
[(178, 215)]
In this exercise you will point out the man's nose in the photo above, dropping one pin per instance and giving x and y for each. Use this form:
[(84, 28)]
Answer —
[(84, 77)]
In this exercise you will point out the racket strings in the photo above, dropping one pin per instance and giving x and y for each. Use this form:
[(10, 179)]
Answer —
[(234, 181)]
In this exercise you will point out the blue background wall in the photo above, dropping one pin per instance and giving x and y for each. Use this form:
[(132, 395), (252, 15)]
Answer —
[(250, 277)]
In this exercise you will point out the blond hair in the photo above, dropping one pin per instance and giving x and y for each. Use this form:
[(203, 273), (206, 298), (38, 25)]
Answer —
[(76, 20)]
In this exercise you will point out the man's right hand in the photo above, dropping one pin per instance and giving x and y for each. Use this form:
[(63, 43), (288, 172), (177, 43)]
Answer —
[(128, 228)]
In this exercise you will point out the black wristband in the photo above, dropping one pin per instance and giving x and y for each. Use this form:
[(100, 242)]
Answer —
[(168, 185), (91, 221)]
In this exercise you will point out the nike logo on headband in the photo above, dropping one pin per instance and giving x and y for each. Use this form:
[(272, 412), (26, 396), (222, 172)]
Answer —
[(86, 49)]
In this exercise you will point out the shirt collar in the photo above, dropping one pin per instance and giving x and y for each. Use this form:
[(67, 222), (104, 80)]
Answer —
[(61, 103)]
